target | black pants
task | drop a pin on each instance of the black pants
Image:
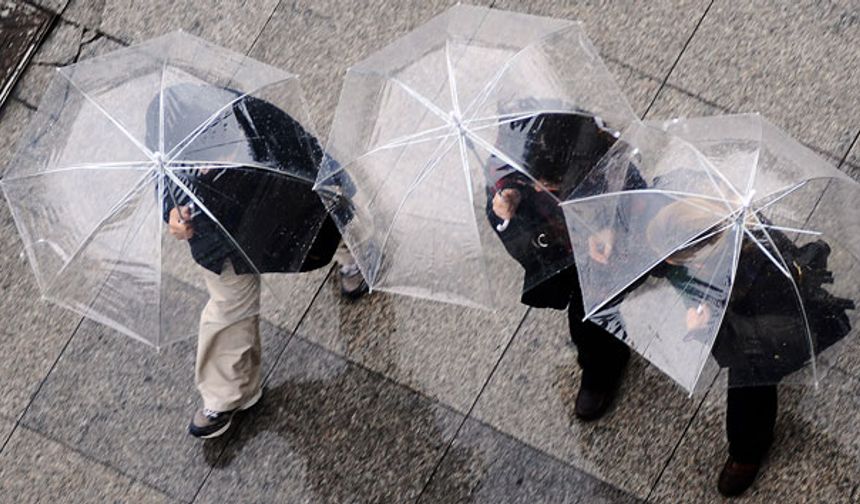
(750, 419)
(601, 355)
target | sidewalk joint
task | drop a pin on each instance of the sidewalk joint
(678, 59)
(472, 407)
(41, 384)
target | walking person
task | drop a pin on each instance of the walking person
(761, 336)
(253, 223)
(557, 150)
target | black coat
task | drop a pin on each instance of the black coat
(764, 336)
(275, 221)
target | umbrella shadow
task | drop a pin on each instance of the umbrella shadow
(358, 435)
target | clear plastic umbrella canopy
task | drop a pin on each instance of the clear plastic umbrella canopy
(427, 128)
(721, 242)
(122, 139)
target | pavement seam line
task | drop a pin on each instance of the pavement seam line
(680, 441)
(263, 29)
(678, 59)
(90, 458)
(468, 415)
(41, 384)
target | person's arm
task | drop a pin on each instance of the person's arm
(177, 211)
(504, 202)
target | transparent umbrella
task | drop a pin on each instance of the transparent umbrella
(121, 140)
(427, 129)
(740, 251)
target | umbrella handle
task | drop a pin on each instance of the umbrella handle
(504, 225)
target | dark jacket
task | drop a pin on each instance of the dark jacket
(267, 216)
(764, 334)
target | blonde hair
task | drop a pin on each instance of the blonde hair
(687, 218)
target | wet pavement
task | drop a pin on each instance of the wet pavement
(390, 399)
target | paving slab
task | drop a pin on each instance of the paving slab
(60, 48)
(815, 457)
(531, 398)
(33, 332)
(329, 431)
(130, 406)
(852, 162)
(795, 62)
(635, 38)
(504, 470)
(14, 117)
(7, 425)
(234, 24)
(36, 469)
(442, 350)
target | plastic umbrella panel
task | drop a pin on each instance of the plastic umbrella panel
(427, 127)
(122, 140)
(730, 252)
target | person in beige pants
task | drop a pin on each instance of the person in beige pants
(228, 370)
(239, 222)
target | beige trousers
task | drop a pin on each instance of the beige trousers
(228, 347)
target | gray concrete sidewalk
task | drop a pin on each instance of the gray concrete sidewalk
(360, 407)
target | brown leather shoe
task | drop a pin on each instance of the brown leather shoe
(736, 477)
(592, 404)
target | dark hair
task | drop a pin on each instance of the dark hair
(562, 147)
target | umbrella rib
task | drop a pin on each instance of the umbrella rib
(465, 165)
(193, 134)
(787, 192)
(501, 119)
(452, 82)
(668, 310)
(418, 140)
(751, 180)
(398, 142)
(217, 165)
(710, 167)
(792, 230)
(666, 192)
(110, 118)
(141, 182)
(423, 101)
(808, 330)
(506, 159)
(176, 180)
(736, 255)
(736, 252)
(159, 241)
(411, 138)
(687, 243)
(144, 165)
(782, 269)
(161, 107)
(422, 175)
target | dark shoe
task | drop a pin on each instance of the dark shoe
(736, 477)
(352, 284)
(592, 404)
(208, 424)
